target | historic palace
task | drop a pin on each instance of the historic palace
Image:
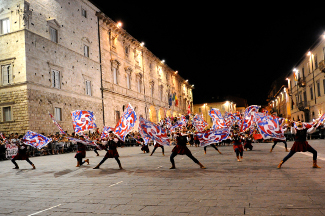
(57, 56)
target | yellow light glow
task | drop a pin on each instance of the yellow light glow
(119, 24)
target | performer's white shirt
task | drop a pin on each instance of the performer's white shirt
(309, 131)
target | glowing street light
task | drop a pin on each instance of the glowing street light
(119, 24)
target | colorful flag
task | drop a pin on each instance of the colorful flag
(36, 140)
(217, 119)
(176, 100)
(126, 122)
(199, 123)
(212, 136)
(83, 120)
(144, 136)
(85, 142)
(105, 132)
(154, 131)
(269, 126)
(248, 119)
(57, 124)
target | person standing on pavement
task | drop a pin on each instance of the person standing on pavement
(275, 141)
(213, 146)
(300, 144)
(182, 149)
(112, 152)
(81, 153)
(22, 153)
(237, 144)
(156, 146)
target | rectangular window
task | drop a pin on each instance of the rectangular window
(324, 85)
(6, 74)
(88, 88)
(318, 88)
(54, 35)
(58, 114)
(86, 51)
(139, 86)
(117, 116)
(311, 93)
(316, 63)
(115, 75)
(84, 13)
(128, 81)
(4, 26)
(7, 114)
(55, 79)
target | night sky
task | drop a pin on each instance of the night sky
(229, 49)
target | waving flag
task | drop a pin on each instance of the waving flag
(218, 121)
(168, 123)
(105, 132)
(83, 120)
(248, 119)
(36, 140)
(212, 136)
(199, 123)
(85, 142)
(154, 131)
(144, 136)
(57, 124)
(178, 124)
(229, 119)
(269, 126)
(320, 120)
(126, 122)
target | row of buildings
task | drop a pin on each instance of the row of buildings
(57, 56)
(300, 94)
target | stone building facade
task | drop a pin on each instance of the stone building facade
(58, 56)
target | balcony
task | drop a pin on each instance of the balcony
(303, 106)
(302, 82)
(321, 66)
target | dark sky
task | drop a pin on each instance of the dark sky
(229, 49)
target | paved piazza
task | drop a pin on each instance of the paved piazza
(146, 186)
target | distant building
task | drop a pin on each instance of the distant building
(58, 56)
(204, 109)
(279, 99)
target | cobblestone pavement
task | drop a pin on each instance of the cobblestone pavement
(146, 186)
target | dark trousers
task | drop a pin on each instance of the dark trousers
(188, 155)
(105, 158)
(238, 152)
(275, 142)
(14, 162)
(291, 153)
(212, 145)
(79, 158)
(162, 148)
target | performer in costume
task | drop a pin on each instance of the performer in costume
(81, 153)
(144, 146)
(100, 145)
(182, 149)
(213, 146)
(196, 141)
(300, 144)
(248, 139)
(112, 151)
(275, 141)
(237, 144)
(156, 146)
(21, 155)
